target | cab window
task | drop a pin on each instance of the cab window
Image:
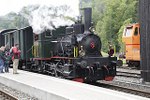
(48, 33)
(139, 30)
(136, 31)
(128, 32)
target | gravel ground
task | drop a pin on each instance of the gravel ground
(134, 83)
(18, 94)
(137, 72)
(129, 70)
(131, 83)
(128, 79)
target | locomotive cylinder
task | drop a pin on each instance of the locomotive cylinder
(69, 30)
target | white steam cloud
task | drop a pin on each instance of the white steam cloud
(43, 17)
(50, 18)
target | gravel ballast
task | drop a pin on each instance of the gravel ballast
(20, 95)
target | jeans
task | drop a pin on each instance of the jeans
(6, 67)
(1, 65)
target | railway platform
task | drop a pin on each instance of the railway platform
(50, 88)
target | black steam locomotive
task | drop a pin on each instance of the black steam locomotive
(72, 52)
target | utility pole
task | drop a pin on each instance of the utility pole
(144, 14)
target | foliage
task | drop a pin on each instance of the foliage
(17, 20)
(110, 17)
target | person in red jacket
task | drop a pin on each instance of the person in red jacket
(15, 58)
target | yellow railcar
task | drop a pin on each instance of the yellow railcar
(131, 39)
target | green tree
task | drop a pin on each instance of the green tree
(17, 20)
(110, 17)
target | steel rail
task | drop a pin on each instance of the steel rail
(128, 74)
(116, 86)
(7, 96)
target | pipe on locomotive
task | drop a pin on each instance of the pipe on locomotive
(87, 20)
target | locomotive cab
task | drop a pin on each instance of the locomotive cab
(131, 39)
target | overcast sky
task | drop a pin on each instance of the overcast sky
(7, 6)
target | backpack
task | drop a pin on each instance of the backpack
(11, 50)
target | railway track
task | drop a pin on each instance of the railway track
(127, 80)
(128, 74)
(6, 96)
(125, 88)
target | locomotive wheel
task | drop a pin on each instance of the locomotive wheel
(90, 81)
(40, 69)
(130, 64)
(135, 64)
(119, 63)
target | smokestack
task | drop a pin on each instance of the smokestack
(87, 19)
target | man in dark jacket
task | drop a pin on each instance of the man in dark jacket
(2, 59)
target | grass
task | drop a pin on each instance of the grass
(104, 54)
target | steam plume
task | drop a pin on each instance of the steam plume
(44, 17)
